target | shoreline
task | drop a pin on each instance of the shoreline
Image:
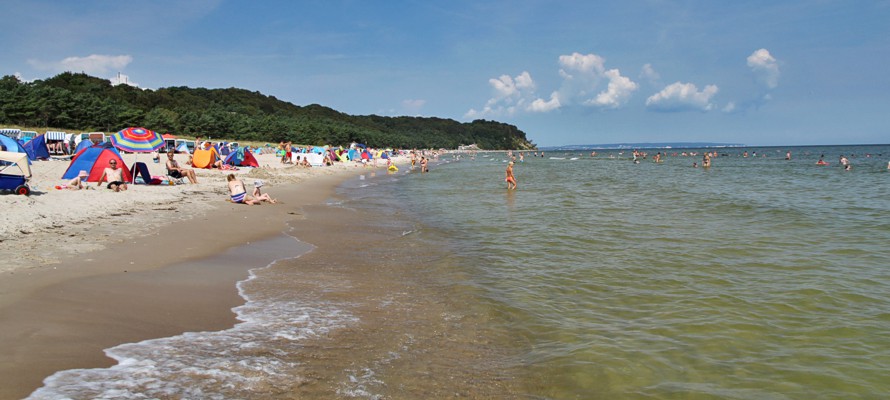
(62, 314)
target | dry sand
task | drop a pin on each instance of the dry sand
(86, 270)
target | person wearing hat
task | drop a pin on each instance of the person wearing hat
(76, 183)
(258, 195)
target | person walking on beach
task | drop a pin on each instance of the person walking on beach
(114, 176)
(511, 180)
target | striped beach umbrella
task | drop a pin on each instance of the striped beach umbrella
(137, 140)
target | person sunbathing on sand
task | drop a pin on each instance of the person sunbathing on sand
(258, 195)
(114, 176)
(76, 183)
(238, 192)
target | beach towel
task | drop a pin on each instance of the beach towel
(139, 169)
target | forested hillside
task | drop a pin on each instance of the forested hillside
(79, 102)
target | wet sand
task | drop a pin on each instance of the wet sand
(61, 316)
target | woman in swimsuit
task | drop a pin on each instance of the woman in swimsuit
(511, 180)
(237, 191)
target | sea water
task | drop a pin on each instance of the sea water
(756, 278)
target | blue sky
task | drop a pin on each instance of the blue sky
(585, 72)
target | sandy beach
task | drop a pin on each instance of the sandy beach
(85, 270)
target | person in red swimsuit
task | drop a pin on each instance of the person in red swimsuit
(511, 180)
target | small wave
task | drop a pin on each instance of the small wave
(234, 363)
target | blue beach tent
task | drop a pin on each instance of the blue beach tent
(82, 145)
(13, 145)
(241, 158)
(36, 148)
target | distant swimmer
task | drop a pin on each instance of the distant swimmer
(511, 180)
(821, 162)
(706, 160)
(788, 155)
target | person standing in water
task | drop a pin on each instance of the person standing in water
(511, 180)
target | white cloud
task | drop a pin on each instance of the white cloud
(511, 94)
(617, 92)
(682, 97)
(94, 64)
(540, 105)
(730, 107)
(524, 82)
(648, 73)
(582, 75)
(765, 66)
(588, 64)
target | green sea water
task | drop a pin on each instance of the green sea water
(758, 278)
(599, 278)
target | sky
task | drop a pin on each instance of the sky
(564, 72)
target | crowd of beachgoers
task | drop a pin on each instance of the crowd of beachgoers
(56, 211)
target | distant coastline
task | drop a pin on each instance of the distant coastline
(682, 145)
(665, 145)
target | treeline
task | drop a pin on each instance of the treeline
(79, 102)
